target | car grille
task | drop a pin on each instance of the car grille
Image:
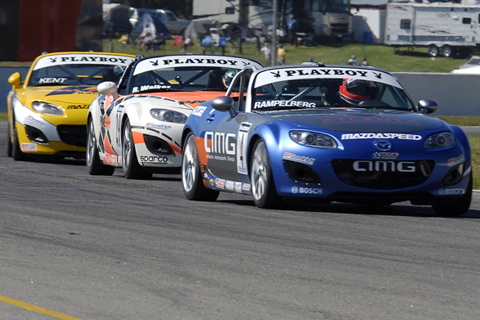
(74, 135)
(383, 174)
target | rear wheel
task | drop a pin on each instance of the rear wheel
(263, 187)
(94, 164)
(192, 181)
(447, 51)
(433, 51)
(131, 168)
(457, 208)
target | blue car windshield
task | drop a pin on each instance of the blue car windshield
(321, 93)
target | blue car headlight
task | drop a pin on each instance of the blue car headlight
(313, 139)
(440, 140)
(168, 115)
(47, 108)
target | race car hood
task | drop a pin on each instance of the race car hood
(191, 98)
(363, 120)
(78, 96)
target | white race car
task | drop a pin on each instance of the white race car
(138, 125)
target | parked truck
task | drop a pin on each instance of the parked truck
(445, 28)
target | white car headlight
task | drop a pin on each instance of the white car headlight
(47, 108)
(440, 140)
(313, 139)
(168, 115)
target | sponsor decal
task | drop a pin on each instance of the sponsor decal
(36, 121)
(220, 183)
(451, 191)
(72, 90)
(153, 159)
(196, 61)
(110, 159)
(52, 80)
(82, 59)
(229, 185)
(302, 159)
(283, 103)
(454, 161)
(318, 73)
(211, 181)
(78, 106)
(32, 147)
(198, 111)
(384, 166)
(383, 145)
(306, 190)
(246, 187)
(399, 136)
(150, 87)
(385, 155)
(242, 145)
(220, 143)
(238, 186)
(164, 127)
(369, 120)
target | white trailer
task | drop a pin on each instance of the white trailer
(445, 28)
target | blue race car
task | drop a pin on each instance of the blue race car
(327, 133)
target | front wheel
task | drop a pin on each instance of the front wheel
(94, 164)
(131, 168)
(192, 181)
(457, 208)
(9, 142)
(17, 153)
(263, 187)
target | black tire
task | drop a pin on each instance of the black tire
(448, 51)
(458, 208)
(131, 168)
(192, 181)
(9, 141)
(433, 51)
(263, 187)
(17, 153)
(94, 164)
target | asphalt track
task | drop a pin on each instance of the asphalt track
(75, 246)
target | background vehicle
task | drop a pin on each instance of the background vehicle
(47, 113)
(445, 28)
(138, 125)
(325, 133)
(168, 18)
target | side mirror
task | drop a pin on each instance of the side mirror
(108, 88)
(427, 106)
(15, 80)
(224, 103)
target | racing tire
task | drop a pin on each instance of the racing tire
(17, 153)
(131, 168)
(192, 181)
(9, 142)
(457, 208)
(263, 187)
(94, 164)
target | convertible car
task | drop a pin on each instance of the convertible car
(137, 125)
(323, 134)
(47, 114)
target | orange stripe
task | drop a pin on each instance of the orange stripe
(138, 137)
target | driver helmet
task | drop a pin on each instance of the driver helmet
(228, 77)
(355, 91)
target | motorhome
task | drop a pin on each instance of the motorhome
(445, 28)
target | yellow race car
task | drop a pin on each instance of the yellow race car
(47, 113)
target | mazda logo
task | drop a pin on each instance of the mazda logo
(383, 145)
